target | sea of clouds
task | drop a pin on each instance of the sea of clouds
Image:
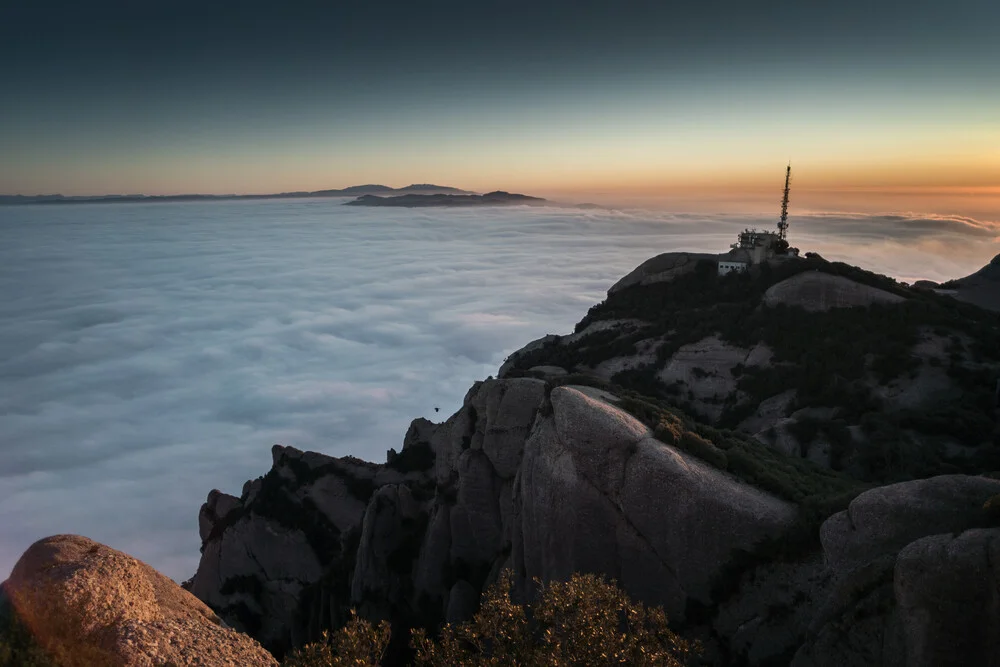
(152, 352)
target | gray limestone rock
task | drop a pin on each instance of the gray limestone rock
(885, 519)
(595, 493)
(817, 291)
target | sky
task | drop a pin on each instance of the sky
(152, 352)
(880, 106)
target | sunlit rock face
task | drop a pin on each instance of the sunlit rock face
(86, 604)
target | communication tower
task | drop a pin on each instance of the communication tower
(783, 223)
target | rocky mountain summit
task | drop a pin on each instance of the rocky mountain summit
(981, 288)
(798, 462)
(791, 461)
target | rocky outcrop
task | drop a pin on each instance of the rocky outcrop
(816, 291)
(948, 592)
(907, 380)
(912, 580)
(548, 481)
(708, 371)
(262, 551)
(545, 481)
(661, 268)
(597, 493)
(545, 477)
(982, 288)
(884, 520)
(86, 604)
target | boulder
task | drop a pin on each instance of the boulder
(87, 604)
(948, 595)
(661, 268)
(596, 493)
(885, 519)
(818, 291)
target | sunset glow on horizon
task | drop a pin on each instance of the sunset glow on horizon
(639, 103)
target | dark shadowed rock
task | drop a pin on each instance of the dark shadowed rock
(884, 520)
(661, 269)
(817, 291)
(948, 591)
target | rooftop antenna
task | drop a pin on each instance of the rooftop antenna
(783, 223)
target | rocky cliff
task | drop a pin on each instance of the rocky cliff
(795, 463)
(774, 549)
(548, 480)
(846, 368)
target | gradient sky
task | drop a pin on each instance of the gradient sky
(641, 100)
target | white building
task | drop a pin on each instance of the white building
(726, 266)
(753, 247)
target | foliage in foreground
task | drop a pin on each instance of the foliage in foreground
(357, 643)
(583, 621)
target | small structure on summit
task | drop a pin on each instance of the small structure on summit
(757, 246)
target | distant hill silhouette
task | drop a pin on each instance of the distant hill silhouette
(497, 198)
(352, 191)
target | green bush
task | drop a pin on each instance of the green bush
(703, 449)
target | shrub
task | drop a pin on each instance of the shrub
(583, 621)
(703, 449)
(359, 643)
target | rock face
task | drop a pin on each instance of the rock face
(545, 477)
(982, 288)
(884, 520)
(912, 578)
(548, 481)
(87, 604)
(816, 291)
(597, 493)
(948, 591)
(262, 551)
(661, 268)
(543, 481)
(845, 368)
(706, 370)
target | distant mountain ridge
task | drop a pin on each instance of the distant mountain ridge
(352, 191)
(412, 200)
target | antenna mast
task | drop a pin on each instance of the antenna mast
(783, 223)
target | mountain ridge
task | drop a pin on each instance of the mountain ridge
(496, 198)
(352, 191)
(760, 546)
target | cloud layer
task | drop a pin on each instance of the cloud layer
(150, 353)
